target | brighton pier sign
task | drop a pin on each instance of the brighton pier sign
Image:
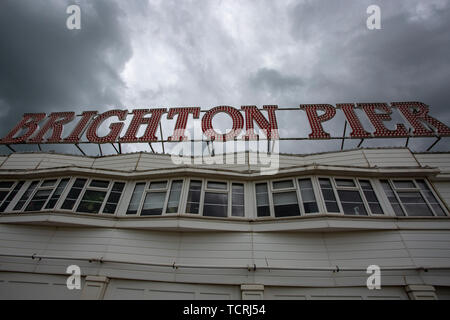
(40, 128)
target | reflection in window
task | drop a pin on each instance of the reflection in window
(308, 196)
(328, 195)
(92, 201)
(174, 197)
(285, 204)
(392, 198)
(193, 200)
(262, 200)
(429, 196)
(11, 196)
(26, 195)
(371, 197)
(57, 194)
(135, 202)
(352, 202)
(74, 192)
(113, 198)
(153, 203)
(215, 204)
(237, 198)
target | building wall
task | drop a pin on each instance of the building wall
(326, 261)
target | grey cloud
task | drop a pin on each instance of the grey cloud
(46, 67)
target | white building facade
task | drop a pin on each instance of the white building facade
(142, 227)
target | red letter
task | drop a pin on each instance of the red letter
(86, 117)
(377, 120)
(236, 116)
(416, 113)
(29, 121)
(180, 125)
(56, 121)
(315, 120)
(115, 128)
(357, 129)
(138, 120)
(270, 128)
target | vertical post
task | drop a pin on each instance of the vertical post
(162, 138)
(343, 135)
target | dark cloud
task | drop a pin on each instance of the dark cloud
(143, 53)
(46, 67)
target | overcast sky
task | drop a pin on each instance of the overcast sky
(142, 54)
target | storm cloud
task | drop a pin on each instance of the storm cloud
(141, 54)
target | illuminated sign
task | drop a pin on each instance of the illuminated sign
(35, 126)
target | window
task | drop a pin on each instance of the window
(262, 200)
(371, 197)
(7, 196)
(135, 201)
(285, 202)
(215, 203)
(237, 197)
(350, 197)
(74, 193)
(149, 199)
(291, 197)
(19, 205)
(193, 200)
(174, 197)
(47, 194)
(328, 195)
(93, 197)
(308, 196)
(412, 197)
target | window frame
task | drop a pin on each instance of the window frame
(415, 189)
(9, 191)
(204, 188)
(147, 190)
(83, 191)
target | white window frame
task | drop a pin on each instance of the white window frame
(52, 188)
(415, 189)
(83, 191)
(10, 190)
(148, 190)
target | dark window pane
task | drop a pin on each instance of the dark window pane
(38, 200)
(26, 195)
(153, 203)
(6, 184)
(392, 199)
(263, 211)
(345, 182)
(193, 201)
(308, 196)
(158, 185)
(283, 184)
(114, 196)
(216, 204)
(174, 196)
(310, 207)
(414, 203)
(3, 195)
(48, 183)
(328, 195)
(74, 194)
(352, 203)
(136, 198)
(55, 196)
(99, 183)
(262, 200)
(431, 198)
(404, 184)
(237, 200)
(91, 201)
(285, 204)
(217, 185)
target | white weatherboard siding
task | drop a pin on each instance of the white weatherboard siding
(191, 257)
